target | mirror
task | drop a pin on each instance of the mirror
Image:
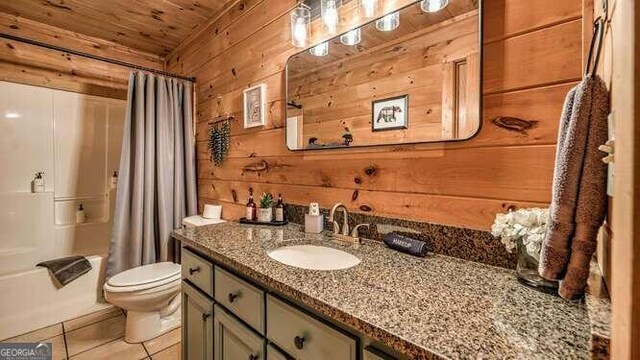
(410, 77)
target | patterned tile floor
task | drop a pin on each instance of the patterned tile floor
(100, 335)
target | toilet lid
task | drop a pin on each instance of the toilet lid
(146, 274)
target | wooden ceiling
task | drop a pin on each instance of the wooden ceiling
(154, 26)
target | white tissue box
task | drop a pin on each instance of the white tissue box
(313, 223)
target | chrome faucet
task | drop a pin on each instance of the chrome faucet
(343, 233)
(345, 224)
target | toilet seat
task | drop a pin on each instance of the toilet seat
(144, 277)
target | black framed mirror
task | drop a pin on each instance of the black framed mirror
(411, 76)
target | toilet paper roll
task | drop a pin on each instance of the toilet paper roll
(212, 211)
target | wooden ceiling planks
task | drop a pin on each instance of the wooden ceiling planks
(153, 26)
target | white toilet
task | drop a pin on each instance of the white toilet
(151, 296)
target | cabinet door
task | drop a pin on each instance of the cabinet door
(197, 325)
(234, 340)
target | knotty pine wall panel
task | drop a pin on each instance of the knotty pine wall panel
(531, 59)
(33, 65)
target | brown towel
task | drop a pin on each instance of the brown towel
(579, 188)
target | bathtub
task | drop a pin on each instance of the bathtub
(30, 300)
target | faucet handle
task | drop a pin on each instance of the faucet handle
(354, 231)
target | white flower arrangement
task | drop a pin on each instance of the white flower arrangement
(526, 225)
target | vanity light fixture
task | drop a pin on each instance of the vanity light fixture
(300, 25)
(321, 49)
(368, 8)
(389, 22)
(329, 13)
(432, 6)
(11, 115)
(351, 38)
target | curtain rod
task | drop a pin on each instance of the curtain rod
(95, 57)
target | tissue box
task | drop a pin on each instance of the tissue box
(313, 223)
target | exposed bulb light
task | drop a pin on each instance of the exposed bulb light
(11, 115)
(321, 49)
(300, 26)
(432, 6)
(368, 8)
(389, 22)
(329, 11)
(351, 38)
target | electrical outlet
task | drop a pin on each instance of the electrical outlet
(610, 166)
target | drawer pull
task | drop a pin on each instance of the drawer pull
(253, 357)
(194, 270)
(232, 297)
(299, 342)
(205, 316)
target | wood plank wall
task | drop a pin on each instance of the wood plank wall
(29, 64)
(532, 56)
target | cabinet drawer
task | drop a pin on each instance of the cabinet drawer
(233, 340)
(198, 271)
(304, 337)
(275, 354)
(241, 298)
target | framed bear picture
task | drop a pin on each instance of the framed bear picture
(390, 114)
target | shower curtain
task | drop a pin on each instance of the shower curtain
(156, 179)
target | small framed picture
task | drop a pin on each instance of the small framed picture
(390, 114)
(254, 106)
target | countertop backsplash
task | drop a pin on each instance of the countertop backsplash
(468, 244)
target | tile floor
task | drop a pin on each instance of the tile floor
(100, 335)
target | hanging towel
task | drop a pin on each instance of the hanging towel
(578, 203)
(67, 269)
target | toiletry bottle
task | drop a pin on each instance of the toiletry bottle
(280, 209)
(37, 186)
(251, 207)
(114, 180)
(81, 217)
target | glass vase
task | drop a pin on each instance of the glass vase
(527, 272)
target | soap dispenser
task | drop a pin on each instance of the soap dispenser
(81, 217)
(37, 185)
(114, 180)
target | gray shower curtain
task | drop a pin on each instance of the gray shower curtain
(157, 176)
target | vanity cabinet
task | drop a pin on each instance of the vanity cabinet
(233, 340)
(305, 337)
(275, 354)
(197, 324)
(241, 298)
(370, 353)
(198, 271)
(226, 317)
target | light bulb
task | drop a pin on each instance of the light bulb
(389, 22)
(300, 32)
(353, 37)
(321, 49)
(300, 26)
(431, 6)
(368, 8)
(330, 16)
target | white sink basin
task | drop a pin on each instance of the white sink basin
(314, 257)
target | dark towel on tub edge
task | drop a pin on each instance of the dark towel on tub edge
(67, 269)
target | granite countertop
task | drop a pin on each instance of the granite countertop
(433, 307)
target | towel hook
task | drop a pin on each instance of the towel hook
(595, 48)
